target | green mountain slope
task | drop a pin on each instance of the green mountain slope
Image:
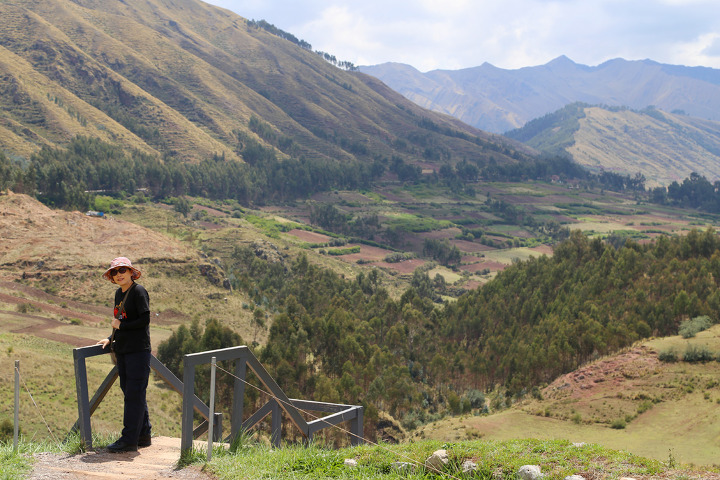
(664, 147)
(183, 79)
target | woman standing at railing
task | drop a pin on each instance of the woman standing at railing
(130, 343)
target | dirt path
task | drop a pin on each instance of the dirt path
(46, 298)
(151, 463)
(58, 310)
(43, 328)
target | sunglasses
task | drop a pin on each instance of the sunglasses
(120, 270)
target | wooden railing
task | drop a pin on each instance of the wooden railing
(243, 358)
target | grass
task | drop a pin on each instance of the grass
(503, 459)
(270, 226)
(16, 465)
(493, 460)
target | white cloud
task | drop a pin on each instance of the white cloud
(453, 34)
(705, 51)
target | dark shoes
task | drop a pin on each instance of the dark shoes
(144, 441)
(122, 446)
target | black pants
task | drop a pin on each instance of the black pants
(134, 371)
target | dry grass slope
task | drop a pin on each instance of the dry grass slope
(664, 147)
(184, 77)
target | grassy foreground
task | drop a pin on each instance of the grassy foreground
(17, 465)
(494, 460)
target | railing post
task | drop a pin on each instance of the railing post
(16, 427)
(211, 415)
(276, 425)
(238, 397)
(356, 428)
(187, 409)
(81, 388)
(217, 436)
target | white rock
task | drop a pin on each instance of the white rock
(530, 472)
(469, 466)
(402, 466)
(579, 444)
(437, 460)
(350, 462)
(575, 477)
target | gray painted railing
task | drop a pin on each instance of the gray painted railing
(243, 358)
(87, 407)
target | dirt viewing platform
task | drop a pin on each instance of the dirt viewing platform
(157, 461)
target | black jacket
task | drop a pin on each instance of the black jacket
(134, 332)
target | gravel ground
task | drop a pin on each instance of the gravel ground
(152, 463)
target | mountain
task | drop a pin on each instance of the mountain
(664, 147)
(186, 80)
(498, 100)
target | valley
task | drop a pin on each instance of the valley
(50, 304)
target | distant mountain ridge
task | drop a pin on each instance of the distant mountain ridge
(498, 100)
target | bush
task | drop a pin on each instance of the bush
(669, 356)
(690, 328)
(344, 251)
(7, 431)
(27, 308)
(476, 398)
(695, 354)
(399, 257)
(618, 424)
(454, 403)
(644, 406)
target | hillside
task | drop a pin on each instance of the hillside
(630, 401)
(498, 100)
(664, 147)
(185, 80)
(365, 335)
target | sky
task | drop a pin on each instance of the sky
(455, 34)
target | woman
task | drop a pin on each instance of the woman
(130, 342)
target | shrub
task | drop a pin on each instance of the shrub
(454, 403)
(476, 398)
(690, 328)
(103, 203)
(7, 430)
(695, 354)
(399, 257)
(669, 356)
(344, 251)
(644, 406)
(27, 308)
(618, 424)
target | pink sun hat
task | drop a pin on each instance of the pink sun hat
(121, 262)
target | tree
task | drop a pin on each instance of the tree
(182, 206)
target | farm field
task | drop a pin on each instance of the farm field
(499, 224)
